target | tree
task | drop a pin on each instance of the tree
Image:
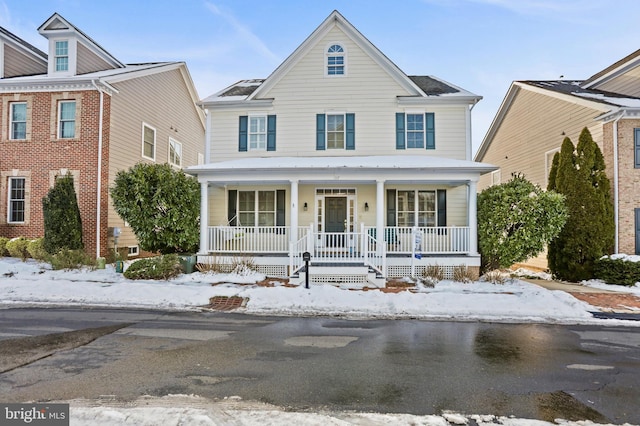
(62, 222)
(161, 205)
(579, 174)
(516, 220)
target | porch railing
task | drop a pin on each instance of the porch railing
(339, 246)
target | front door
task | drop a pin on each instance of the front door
(335, 220)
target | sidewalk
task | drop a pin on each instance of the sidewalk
(603, 300)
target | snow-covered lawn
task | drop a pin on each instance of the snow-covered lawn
(31, 283)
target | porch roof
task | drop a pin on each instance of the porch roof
(353, 168)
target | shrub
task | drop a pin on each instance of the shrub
(617, 271)
(17, 247)
(36, 249)
(3, 246)
(243, 266)
(71, 259)
(463, 274)
(62, 223)
(495, 277)
(155, 268)
(432, 275)
(210, 267)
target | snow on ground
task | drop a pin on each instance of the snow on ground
(32, 283)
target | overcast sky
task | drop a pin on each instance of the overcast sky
(479, 45)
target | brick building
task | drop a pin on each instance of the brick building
(77, 109)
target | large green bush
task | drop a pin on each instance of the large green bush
(3, 246)
(17, 247)
(516, 220)
(162, 206)
(155, 268)
(617, 271)
(62, 223)
(578, 173)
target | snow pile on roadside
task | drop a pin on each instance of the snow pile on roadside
(31, 283)
(193, 410)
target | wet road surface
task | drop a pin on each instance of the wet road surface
(419, 367)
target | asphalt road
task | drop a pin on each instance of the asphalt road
(419, 367)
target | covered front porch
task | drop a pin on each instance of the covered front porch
(386, 216)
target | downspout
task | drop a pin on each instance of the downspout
(615, 180)
(99, 183)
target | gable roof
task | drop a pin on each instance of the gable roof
(57, 25)
(418, 87)
(620, 67)
(22, 45)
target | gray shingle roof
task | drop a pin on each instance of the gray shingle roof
(431, 86)
(574, 88)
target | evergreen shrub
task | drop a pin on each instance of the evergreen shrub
(3, 246)
(155, 268)
(36, 249)
(617, 271)
(17, 247)
(71, 259)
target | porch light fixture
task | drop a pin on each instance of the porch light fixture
(366, 207)
(305, 206)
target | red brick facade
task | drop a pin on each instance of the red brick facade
(43, 155)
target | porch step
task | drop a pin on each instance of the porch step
(351, 275)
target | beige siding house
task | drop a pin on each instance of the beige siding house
(341, 155)
(536, 116)
(78, 109)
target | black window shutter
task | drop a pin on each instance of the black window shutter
(400, 143)
(242, 134)
(232, 218)
(280, 207)
(391, 207)
(271, 133)
(636, 140)
(442, 207)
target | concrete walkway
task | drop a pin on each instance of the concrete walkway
(564, 286)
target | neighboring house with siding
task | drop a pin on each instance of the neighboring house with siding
(340, 154)
(77, 109)
(536, 116)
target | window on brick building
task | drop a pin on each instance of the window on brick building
(148, 142)
(66, 119)
(17, 200)
(18, 120)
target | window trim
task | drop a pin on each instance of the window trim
(344, 129)
(175, 144)
(416, 207)
(263, 133)
(328, 54)
(256, 207)
(12, 121)
(407, 131)
(57, 56)
(155, 143)
(10, 200)
(75, 118)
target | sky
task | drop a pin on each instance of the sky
(479, 45)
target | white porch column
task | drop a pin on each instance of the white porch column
(473, 217)
(204, 217)
(380, 210)
(293, 236)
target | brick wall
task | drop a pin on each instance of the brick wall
(43, 155)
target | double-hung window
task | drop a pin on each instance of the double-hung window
(415, 130)
(258, 132)
(62, 55)
(175, 152)
(67, 119)
(17, 200)
(420, 205)
(256, 208)
(335, 60)
(148, 142)
(335, 131)
(18, 118)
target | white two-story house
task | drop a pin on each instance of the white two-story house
(341, 155)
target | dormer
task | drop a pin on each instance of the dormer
(72, 52)
(19, 58)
